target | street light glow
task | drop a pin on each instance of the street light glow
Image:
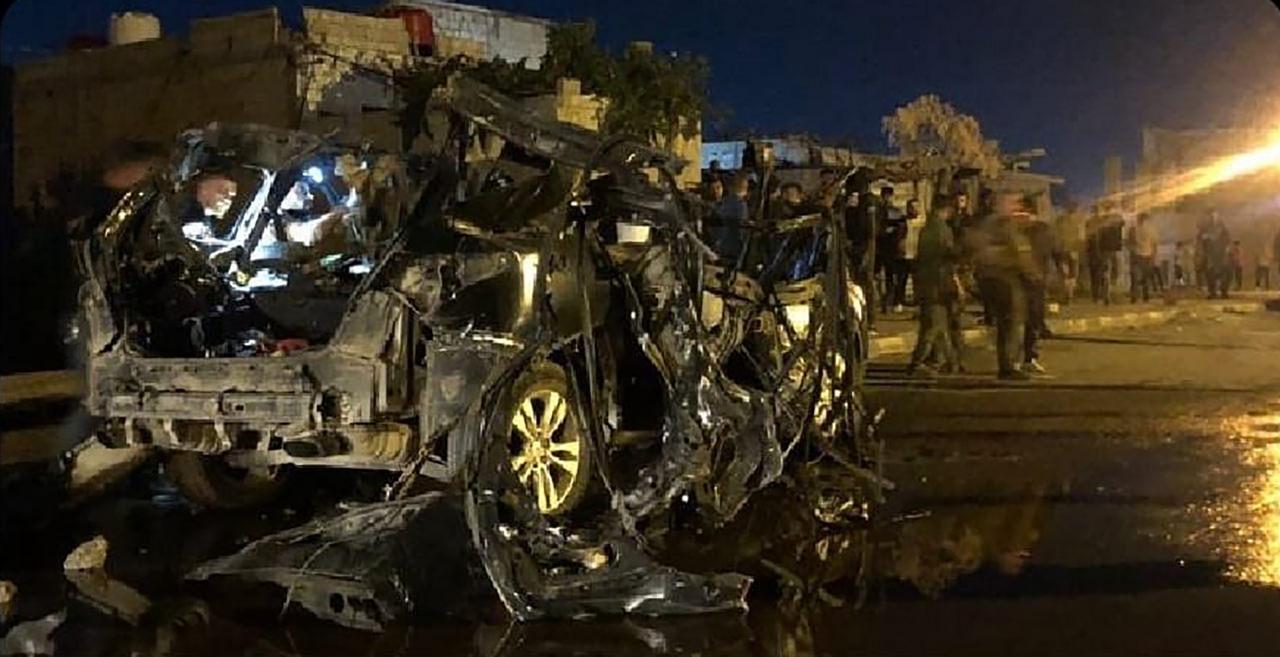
(1167, 189)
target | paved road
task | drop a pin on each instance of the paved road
(1129, 504)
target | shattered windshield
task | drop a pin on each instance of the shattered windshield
(299, 221)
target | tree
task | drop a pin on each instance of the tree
(939, 139)
(572, 52)
(655, 97)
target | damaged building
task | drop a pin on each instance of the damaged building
(69, 110)
(330, 77)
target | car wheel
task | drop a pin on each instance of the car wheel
(548, 447)
(210, 482)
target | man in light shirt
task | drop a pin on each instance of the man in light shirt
(1142, 254)
(911, 244)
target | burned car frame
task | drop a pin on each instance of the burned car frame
(527, 311)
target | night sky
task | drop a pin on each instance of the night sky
(1078, 77)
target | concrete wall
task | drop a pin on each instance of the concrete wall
(482, 33)
(71, 108)
(688, 149)
(728, 153)
(570, 105)
(788, 151)
(344, 64)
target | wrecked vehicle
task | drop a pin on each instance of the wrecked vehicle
(527, 310)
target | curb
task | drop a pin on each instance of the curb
(890, 345)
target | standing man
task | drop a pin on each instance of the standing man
(962, 220)
(1142, 255)
(1204, 276)
(730, 214)
(1235, 255)
(798, 253)
(891, 251)
(1262, 270)
(1112, 243)
(714, 190)
(1099, 261)
(911, 243)
(1215, 243)
(860, 230)
(935, 290)
(1069, 239)
(825, 194)
(1002, 261)
(1275, 246)
(1183, 260)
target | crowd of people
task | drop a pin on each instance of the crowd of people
(998, 252)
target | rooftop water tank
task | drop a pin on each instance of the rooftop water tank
(132, 27)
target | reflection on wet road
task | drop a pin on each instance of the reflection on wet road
(1253, 549)
(1055, 520)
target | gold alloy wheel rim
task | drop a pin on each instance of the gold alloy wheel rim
(549, 457)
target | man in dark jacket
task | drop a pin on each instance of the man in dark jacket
(1102, 242)
(729, 215)
(935, 289)
(860, 232)
(1215, 242)
(891, 243)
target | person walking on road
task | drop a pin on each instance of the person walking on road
(935, 285)
(1040, 238)
(1142, 255)
(1002, 261)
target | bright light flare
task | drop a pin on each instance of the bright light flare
(1165, 190)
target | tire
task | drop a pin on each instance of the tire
(541, 407)
(211, 483)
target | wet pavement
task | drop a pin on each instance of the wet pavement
(1129, 503)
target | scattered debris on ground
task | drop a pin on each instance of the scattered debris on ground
(90, 555)
(32, 637)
